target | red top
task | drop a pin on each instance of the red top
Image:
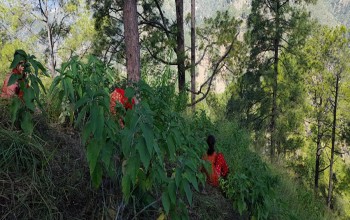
(219, 168)
(119, 95)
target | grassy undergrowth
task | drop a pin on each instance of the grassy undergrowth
(262, 190)
(293, 200)
(46, 176)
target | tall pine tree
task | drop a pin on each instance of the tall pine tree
(276, 29)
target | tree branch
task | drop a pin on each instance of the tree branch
(216, 69)
(321, 170)
(160, 59)
(146, 207)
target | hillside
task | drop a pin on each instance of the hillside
(328, 12)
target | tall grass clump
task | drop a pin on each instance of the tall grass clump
(293, 200)
(250, 182)
(24, 184)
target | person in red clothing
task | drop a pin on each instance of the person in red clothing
(219, 166)
(118, 95)
(8, 91)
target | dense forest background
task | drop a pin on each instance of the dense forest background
(270, 79)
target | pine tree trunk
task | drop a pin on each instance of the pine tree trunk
(52, 63)
(318, 151)
(330, 188)
(132, 46)
(193, 53)
(44, 12)
(275, 84)
(180, 48)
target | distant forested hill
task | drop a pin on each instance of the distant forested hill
(332, 12)
(329, 12)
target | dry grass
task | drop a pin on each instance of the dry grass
(46, 176)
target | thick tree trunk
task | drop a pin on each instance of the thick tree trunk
(180, 48)
(193, 53)
(330, 188)
(132, 45)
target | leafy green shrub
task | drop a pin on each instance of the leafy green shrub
(156, 152)
(84, 85)
(22, 110)
(86, 82)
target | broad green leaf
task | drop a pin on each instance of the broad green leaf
(142, 179)
(161, 177)
(149, 137)
(35, 66)
(166, 202)
(13, 79)
(28, 97)
(132, 167)
(143, 152)
(171, 146)
(94, 116)
(178, 176)
(74, 68)
(177, 137)
(129, 92)
(191, 165)
(42, 68)
(107, 153)
(27, 123)
(55, 83)
(188, 192)
(96, 176)
(241, 206)
(191, 177)
(100, 122)
(126, 142)
(18, 58)
(159, 153)
(70, 89)
(131, 119)
(126, 186)
(172, 192)
(15, 106)
(34, 84)
(81, 115)
(176, 217)
(38, 80)
(93, 153)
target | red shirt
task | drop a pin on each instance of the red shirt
(119, 95)
(219, 168)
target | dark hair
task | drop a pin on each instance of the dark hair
(211, 144)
